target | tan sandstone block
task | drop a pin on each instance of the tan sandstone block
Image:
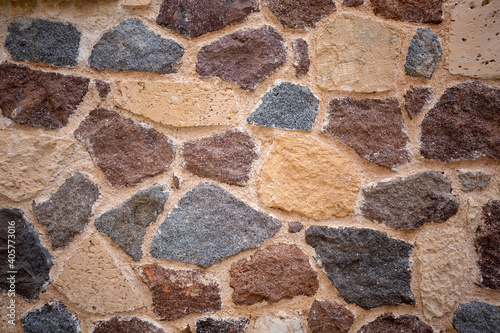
(308, 177)
(357, 54)
(136, 3)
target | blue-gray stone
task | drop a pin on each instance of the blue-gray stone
(423, 54)
(477, 317)
(53, 317)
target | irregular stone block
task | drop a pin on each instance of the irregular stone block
(224, 157)
(353, 3)
(306, 176)
(387, 323)
(269, 324)
(301, 60)
(423, 54)
(472, 179)
(53, 316)
(294, 227)
(131, 46)
(487, 244)
(329, 317)
(103, 88)
(215, 325)
(463, 124)
(178, 293)
(126, 151)
(373, 127)
(366, 266)
(416, 98)
(208, 225)
(477, 317)
(301, 14)
(246, 57)
(137, 3)
(425, 11)
(127, 325)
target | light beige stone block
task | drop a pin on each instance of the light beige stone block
(136, 3)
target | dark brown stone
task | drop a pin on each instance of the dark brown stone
(127, 325)
(224, 157)
(294, 227)
(39, 99)
(463, 124)
(187, 329)
(103, 88)
(246, 57)
(426, 11)
(272, 274)
(487, 245)
(353, 3)
(416, 98)
(373, 127)
(300, 14)
(176, 181)
(178, 293)
(329, 317)
(125, 150)
(301, 60)
(387, 323)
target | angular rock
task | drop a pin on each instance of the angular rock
(287, 106)
(195, 18)
(125, 150)
(329, 317)
(366, 266)
(42, 40)
(477, 317)
(294, 227)
(409, 203)
(131, 46)
(246, 57)
(178, 293)
(126, 224)
(301, 14)
(269, 324)
(306, 176)
(103, 88)
(209, 225)
(215, 325)
(224, 157)
(472, 179)
(353, 3)
(127, 325)
(53, 316)
(425, 11)
(423, 54)
(275, 273)
(187, 329)
(487, 244)
(67, 212)
(463, 124)
(416, 98)
(176, 182)
(39, 99)
(373, 127)
(387, 323)
(301, 60)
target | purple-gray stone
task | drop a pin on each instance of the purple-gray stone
(472, 179)
(216, 325)
(423, 54)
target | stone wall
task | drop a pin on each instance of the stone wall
(249, 166)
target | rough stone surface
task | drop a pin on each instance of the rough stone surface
(269, 324)
(301, 61)
(67, 212)
(131, 46)
(127, 325)
(208, 225)
(178, 293)
(176, 182)
(226, 157)
(126, 224)
(32, 262)
(409, 203)
(425, 11)
(373, 127)
(329, 317)
(367, 266)
(487, 244)
(306, 176)
(195, 18)
(246, 57)
(477, 317)
(125, 150)
(353, 3)
(294, 227)
(387, 323)
(472, 179)
(137, 3)
(416, 98)
(463, 124)
(357, 54)
(423, 54)
(52, 317)
(275, 273)
(39, 99)
(287, 105)
(215, 325)
(103, 88)
(187, 329)
(301, 14)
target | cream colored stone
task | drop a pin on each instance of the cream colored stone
(136, 3)
(474, 39)
(28, 162)
(180, 104)
(276, 325)
(308, 177)
(357, 54)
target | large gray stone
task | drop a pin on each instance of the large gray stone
(477, 317)
(53, 317)
(423, 54)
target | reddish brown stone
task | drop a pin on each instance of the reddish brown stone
(39, 99)
(416, 98)
(103, 88)
(329, 317)
(387, 323)
(272, 274)
(187, 329)
(353, 3)
(125, 150)
(487, 245)
(300, 14)
(426, 11)
(127, 325)
(294, 227)
(301, 60)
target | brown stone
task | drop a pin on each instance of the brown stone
(294, 227)
(39, 99)
(127, 325)
(103, 88)
(23, 6)
(176, 181)
(425, 11)
(353, 3)
(301, 60)
(416, 98)
(126, 151)
(272, 274)
(387, 323)
(487, 245)
(301, 14)
(187, 330)
(329, 317)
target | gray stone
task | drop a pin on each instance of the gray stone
(208, 225)
(53, 317)
(477, 317)
(367, 266)
(423, 54)
(216, 325)
(473, 179)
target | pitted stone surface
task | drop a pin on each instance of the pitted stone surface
(301, 61)
(423, 54)
(477, 317)
(52, 317)
(269, 324)
(472, 179)
(388, 323)
(126, 224)
(215, 325)
(329, 317)
(131, 46)
(487, 244)
(39, 99)
(208, 225)
(246, 57)
(125, 150)
(127, 325)
(301, 14)
(178, 293)
(416, 98)
(367, 266)
(103, 88)
(275, 273)
(373, 127)
(353, 3)
(425, 11)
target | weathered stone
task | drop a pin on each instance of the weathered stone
(373, 127)
(178, 293)
(215, 325)
(125, 150)
(28, 162)
(477, 317)
(409, 203)
(463, 124)
(187, 329)
(357, 54)
(180, 104)
(39, 99)
(208, 225)
(287, 105)
(387, 323)
(416, 98)
(137, 3)
(353, 3)
(67, 212)
(131, 46)
(176, 182)
(425, 11)
(301, 60)
(367, 266)
(294, 227)
(224, 157)
(127, 325)
(246, 57)
(301, 14)
(306, 176)
(329, 317)
(195, 18)
(276, 325)
(103, 88)
(42, 40)
(472, 179)
(423, 54)
(53, 316)
(487, 244)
